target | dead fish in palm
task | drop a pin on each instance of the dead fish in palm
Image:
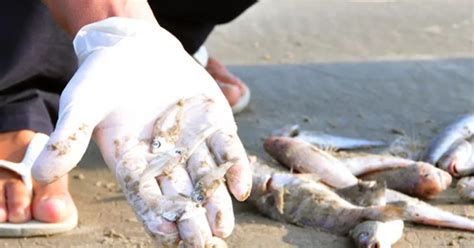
(165, 207)
(459, 159)
(377, 234)
(298, 200)
(462, 128)
(465, 188)
(303, 157)
(327, 141)
(419, 179)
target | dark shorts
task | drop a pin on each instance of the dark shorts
(37, 59)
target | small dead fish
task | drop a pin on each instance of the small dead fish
(364, 193)
(459, 159)
(206, 186)
(460, 129)
(327, 141)
(423, 213)
(419, 179)
(167, 212)
(289, 198)
(377, 234)
(364, 163)
(304, 157)
(465, 188)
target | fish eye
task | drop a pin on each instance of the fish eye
(159, 144)
(156, 143)
(363, 235)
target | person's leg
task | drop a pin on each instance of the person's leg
(36, 62)
(192, 22)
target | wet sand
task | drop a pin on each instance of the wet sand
(355, 68)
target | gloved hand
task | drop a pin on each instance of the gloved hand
(154, 112)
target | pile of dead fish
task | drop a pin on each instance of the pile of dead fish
(364, 195)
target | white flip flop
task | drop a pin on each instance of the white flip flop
(243, 101)
(202, 56)
(33, 228)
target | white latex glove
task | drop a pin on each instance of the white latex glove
(148, 105)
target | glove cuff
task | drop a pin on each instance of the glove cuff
(108, 32)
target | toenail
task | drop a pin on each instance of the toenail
(3, 215)
(19, 215)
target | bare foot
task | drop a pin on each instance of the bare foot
(51, 203)
(232, 87)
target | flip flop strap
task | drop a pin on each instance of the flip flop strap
(201, 56)
(24, 167)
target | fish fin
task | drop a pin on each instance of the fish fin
(279, 196)
(391, 211)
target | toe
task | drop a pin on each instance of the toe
(52, 202)
(220, 73)
(231, 93)
(3, 204)
(50, 209)
(18, 201)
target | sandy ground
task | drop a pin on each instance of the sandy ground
(358, 68)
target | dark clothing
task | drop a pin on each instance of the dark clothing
(37, 59)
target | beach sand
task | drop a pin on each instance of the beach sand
(358, 68)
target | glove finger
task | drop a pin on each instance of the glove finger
(192, 225)
(144, 194)
(211, 191)
(66, 146)
(227, 148)
(194, 230)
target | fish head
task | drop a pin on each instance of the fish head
(367, 235)
(457, 160)
(432, 180)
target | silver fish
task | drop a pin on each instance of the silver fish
(462, 128)
(304, 157)
(327, 141)
(206, 186)
(459, 159)
(377, 234)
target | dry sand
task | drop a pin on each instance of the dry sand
(359, 68)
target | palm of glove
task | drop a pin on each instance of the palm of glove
(154, 112)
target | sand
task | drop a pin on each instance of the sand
(358, 68)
